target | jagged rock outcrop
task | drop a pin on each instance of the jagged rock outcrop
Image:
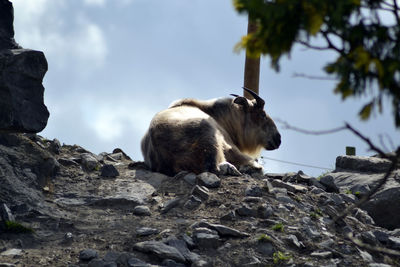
(22, 107)
(81, 217)
(359, 175)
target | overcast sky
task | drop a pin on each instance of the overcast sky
(114, 63)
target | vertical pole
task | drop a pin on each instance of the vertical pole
(251, 66)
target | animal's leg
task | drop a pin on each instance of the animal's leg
(243, 162)
(226, 168)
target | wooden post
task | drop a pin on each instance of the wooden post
(251, 67)
(350, 151)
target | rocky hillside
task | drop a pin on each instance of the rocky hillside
(71, 207)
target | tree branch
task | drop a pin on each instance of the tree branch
(323, 132)
(311, 77)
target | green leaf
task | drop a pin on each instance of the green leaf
(366, 111)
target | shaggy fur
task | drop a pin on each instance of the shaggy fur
(198, 136)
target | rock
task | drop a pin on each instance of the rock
(89, 162)
(209, 180)
(363, 217)
(384, 208)
(362, 164)
(223, 230)
(21, 91)
(293, 241)
(87, 254)
(322, 254)
(265, 248)
(55, 146)
(108, 170)
(101, 263)
(246, 210)
(160, 249)
(394, 242)
(264, 211)
(190, 178)
(181, 246)
(170, 204)
(230, 216)
(201, 191)
(288, 186)
(253, 191)
(359, 190)
(329, 182)
(6, 214)
(6, 25)
(172, 263)
(206, 241)
(141, 210)
(145, 231)
(12, 252)
(192, 203)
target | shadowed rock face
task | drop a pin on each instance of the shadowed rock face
(22, 107)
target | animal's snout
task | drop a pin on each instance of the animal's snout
(277, 140)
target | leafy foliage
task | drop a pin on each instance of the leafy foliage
(365, 34)
(16, 227)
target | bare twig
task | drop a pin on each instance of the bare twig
(312, 77)
(300, 130)
(361, 244)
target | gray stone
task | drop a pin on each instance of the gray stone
(190, 178)
(384, 208)
(369, 238)
(146, 231)
(109, 170)
(311, 232)
(192, 203)
(135, 262)
(89, 162)
(88, 254)
(360, 190)
(381, 236)
(6, 24)
(181, 246)
(206, 241)
(201, 191)
(264, 211)
(160, 249)
(171, 263)
(290, 187)
(316, 183)
(6, 214)
(265, 248)
(230, 216)
(188, 240)
(293, 241)
(329, 182)
(362, 164)
(170, 204)
(349, 198)
(394, 242)
(378, 265)
(246, 210)
(11, 252)
(141, 210)
(21, 91)
(317, 190)
(363, 216)
(321, 254)
(253, 191)
(101, 263)
(209, 180)
(223, 230)
(284, 199)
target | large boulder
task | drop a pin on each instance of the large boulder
(22, 107)
(361, 174)
(6, 26)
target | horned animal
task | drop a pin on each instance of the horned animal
(198, 136)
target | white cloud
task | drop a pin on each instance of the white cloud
(95, 2)
(66, 40)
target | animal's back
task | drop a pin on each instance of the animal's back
(182, 138)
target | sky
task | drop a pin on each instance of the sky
(113, 64)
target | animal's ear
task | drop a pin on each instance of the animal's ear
(240, 100)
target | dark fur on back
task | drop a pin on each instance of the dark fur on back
(198, 136)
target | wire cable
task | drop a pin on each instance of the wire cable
(295, 163)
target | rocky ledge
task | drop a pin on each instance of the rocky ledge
(65, 206)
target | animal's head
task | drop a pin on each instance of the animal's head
(260, 129)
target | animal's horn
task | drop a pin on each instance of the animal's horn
(234, 95)
(260, 102)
